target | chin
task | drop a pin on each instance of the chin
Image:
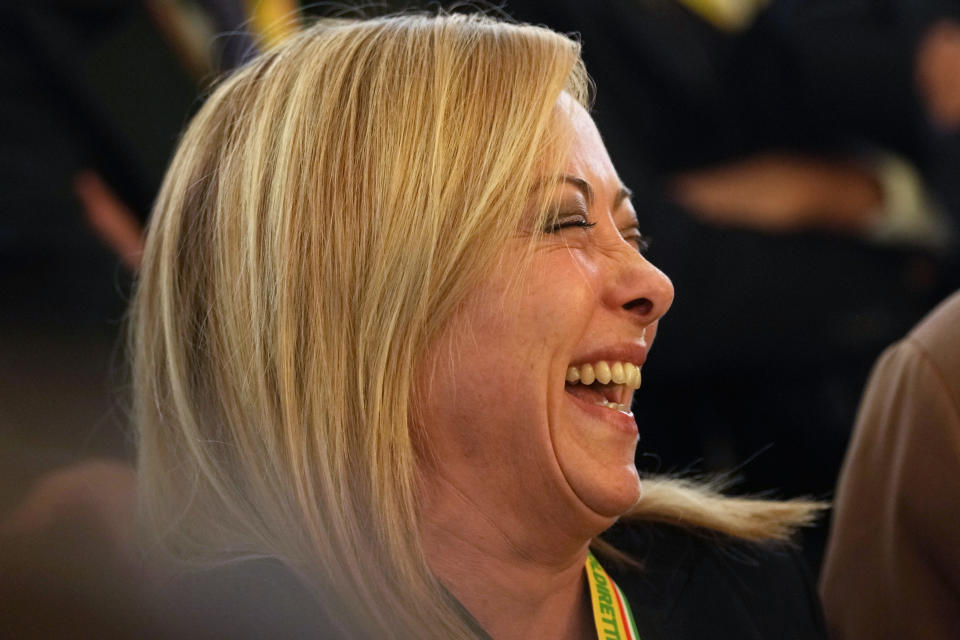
(613, 499)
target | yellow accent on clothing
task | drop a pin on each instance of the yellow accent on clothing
(273, 20)
(727, 15)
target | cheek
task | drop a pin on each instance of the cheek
(560, 298)
(491, 376)
(544, 316)
(469, 394)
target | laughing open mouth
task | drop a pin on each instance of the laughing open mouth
(608, 384)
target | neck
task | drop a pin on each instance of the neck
(516, 583)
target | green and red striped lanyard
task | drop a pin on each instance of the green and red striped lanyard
(611, 611)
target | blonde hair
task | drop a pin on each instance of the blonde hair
(327, 210)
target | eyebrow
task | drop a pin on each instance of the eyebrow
(623, 193)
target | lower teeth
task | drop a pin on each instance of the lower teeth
(614, 405)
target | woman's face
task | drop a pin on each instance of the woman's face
(506, 427)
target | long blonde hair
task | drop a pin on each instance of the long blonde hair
(327, 210)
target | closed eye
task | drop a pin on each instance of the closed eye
(571, 221)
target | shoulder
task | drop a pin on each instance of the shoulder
(937, 340)
(690, 585)
(912, 401)
(252, 598)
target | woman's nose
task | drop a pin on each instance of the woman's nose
(641, 290)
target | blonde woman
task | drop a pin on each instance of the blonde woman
(391, 315)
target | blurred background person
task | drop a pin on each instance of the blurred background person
(892, 568)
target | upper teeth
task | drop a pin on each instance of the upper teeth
(605, 372)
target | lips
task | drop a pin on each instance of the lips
(604, 384)
(603, 379)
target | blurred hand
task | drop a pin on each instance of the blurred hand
(110, 218)
(937, 73)
(781, 192)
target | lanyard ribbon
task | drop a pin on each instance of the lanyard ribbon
(611, 611)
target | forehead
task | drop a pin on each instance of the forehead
(587, 157)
